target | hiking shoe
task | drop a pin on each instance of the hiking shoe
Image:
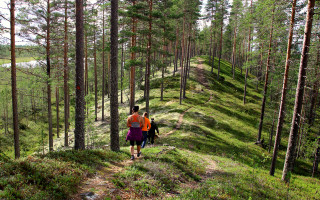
(132, 157)
(138, 155)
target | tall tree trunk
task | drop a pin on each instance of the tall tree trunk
(95, 77)
(164, 63)
(289, 161)
(80, 102)
(221, 37)
(248, 56)
(86, 91)
(114, 105)
(103, 65)
(266, 80)
(284, 92)
(57, 110)
(176, 54)
(211, 34)
(65, 76)
(234, 50)
(14, 82)
(48, 79)
(187, 66)
(133, 57)
(181, 59)
(121, 82)
(147, 86)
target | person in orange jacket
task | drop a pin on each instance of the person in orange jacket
(145, 129)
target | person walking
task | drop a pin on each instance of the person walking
(135, 123)
(145, 129)
(152, 131)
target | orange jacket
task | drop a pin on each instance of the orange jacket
(147, 124)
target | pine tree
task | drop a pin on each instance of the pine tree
(114, 128)
(289, 161)
(80, 102)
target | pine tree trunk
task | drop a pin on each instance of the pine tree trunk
(176, 54)
(147, 85)
(103, 65)
(266, 80)
(122, 63)
(289, 161)
(14, 82)
(187, 67)
(248, 56)
(65, 77)
(114, 105)
(95, 77)
(48, 80)
(86, 71)
(181, 59)
(57, 107)
(133, 57)
(221, 37)
(79, 135)
(234, 50)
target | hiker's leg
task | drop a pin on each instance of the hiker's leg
(132, 147)
(145, 137)
(152, 138)
(138, 148)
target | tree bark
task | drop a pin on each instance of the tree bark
(80, 102)
(266, 80)
(122, 65)
(103, 65)
(14, 82)
(57, 110)
(48, 78)
(95, 77)
(147, 86)
(289, 161)
(181, 59)
(65, 77)
(114, 105)
(133, 57)
(221, 37)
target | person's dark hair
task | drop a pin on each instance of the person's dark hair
(135, 108)
(145, 114)
(152, 119)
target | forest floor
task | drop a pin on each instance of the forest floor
(205, 150)
(101, 186)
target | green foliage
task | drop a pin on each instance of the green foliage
(52, 176)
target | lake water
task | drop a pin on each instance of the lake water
(30, 64)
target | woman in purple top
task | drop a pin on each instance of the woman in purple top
(135, 123)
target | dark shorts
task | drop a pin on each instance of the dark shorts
(137, 142)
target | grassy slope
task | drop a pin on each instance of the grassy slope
(222, 130)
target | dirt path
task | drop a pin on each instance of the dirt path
(101, 185)
(203, 81)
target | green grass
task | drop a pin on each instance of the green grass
(54, 176)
